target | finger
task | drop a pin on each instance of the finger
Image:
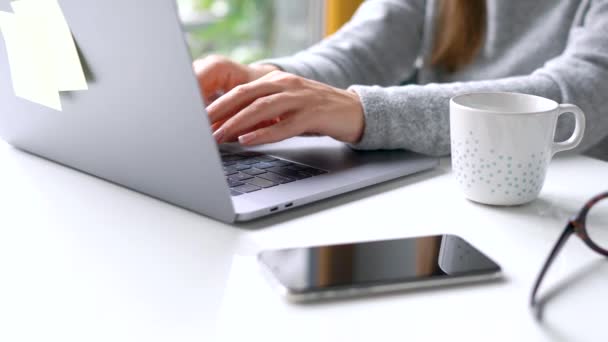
(261, 125)
(208, 80)
(216, 126)
(260, 110)
(285, 129)
(238, 98)
(217, 75)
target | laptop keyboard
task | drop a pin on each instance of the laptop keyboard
(251, 171)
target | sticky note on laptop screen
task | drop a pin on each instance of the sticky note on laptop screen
(42, 54)
(67, 64)
(32, 78)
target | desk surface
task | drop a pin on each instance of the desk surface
(82, 259)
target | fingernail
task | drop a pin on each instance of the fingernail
(247, 138)
(219, 135)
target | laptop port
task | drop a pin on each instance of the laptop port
(274, 209)
(288, 205)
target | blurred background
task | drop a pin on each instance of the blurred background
(249, 30)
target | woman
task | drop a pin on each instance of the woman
(349, 86)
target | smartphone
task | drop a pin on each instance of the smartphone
(347, 270)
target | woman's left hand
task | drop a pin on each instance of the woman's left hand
(280, 106)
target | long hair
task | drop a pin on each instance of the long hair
(459, 33)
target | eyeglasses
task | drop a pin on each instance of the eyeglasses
(591, 225)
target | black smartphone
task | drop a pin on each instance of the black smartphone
(345, 270)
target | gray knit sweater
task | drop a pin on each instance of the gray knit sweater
(553, 48)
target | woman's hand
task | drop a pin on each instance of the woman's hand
(218, 75)
(280, 105)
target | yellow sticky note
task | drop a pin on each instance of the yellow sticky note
(32, 79)
(42, 54)
(62, 51)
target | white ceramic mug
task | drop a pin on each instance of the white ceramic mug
(502, 144)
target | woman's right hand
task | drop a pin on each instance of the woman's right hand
(218, 75)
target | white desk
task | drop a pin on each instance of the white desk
(81, 259)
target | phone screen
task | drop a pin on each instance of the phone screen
(376, 263)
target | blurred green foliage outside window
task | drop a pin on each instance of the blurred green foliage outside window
(248, 30)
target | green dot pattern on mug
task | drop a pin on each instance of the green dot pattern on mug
(497, 173)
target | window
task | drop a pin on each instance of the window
(249, 30)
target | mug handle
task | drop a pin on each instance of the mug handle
(579, 128)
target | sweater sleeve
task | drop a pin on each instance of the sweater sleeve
(357, 53)
(416, 117)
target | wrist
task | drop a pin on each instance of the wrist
(357, 118)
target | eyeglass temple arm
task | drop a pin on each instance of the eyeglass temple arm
(558, 246)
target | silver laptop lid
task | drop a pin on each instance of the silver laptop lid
(142, 122)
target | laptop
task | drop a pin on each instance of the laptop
(142, 124)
